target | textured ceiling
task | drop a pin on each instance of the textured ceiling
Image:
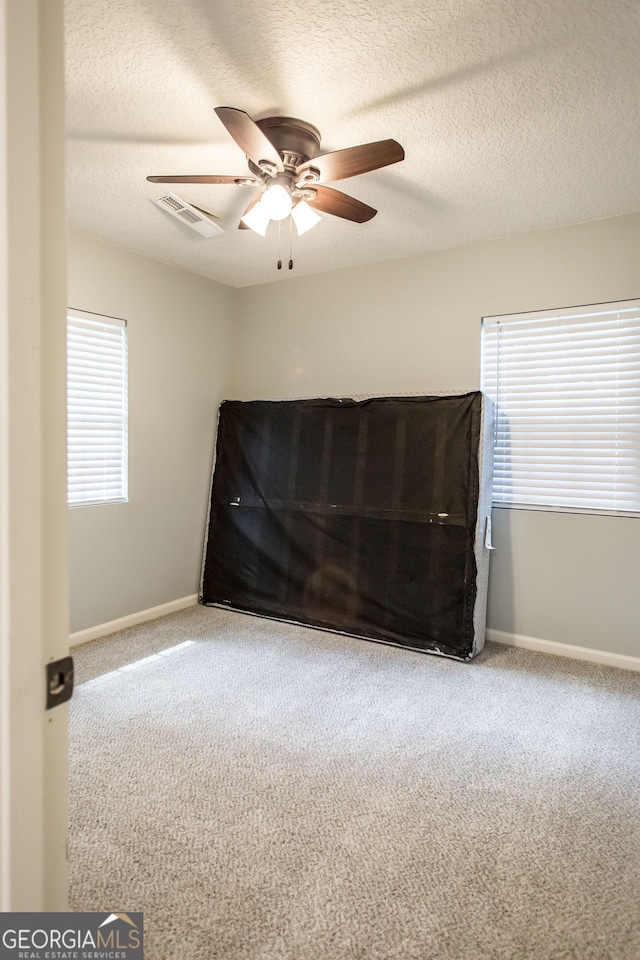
(513, 117)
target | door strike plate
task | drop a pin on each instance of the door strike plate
(59, 681)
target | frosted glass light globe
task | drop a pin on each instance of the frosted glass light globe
(304, 217)
(277, 202)
(257, 219)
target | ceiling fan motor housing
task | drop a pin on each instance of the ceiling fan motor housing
(295, 140)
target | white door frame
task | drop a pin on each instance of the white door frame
(33, 512)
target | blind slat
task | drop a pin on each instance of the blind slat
(96, 409)
(566, 389)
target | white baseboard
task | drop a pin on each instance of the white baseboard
(564, 650)
(620, 660)
(104, 629)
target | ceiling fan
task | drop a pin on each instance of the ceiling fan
(283, 156)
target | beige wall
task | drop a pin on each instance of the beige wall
(406, 325)
(414, 325)
(128, 557)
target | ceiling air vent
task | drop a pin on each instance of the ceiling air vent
(195, 218)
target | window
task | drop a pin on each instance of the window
(566, 385)
(96, 409)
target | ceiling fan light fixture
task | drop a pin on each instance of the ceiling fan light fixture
(276, 202)
(284, 157)
(304, 217)
(257, 219)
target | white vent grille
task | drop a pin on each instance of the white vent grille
(198, 220)
(169, 202)
(189, 216)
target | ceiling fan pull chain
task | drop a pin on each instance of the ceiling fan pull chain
(279, 246)
(290, 245)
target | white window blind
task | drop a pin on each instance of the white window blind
(96, 409)
(566, 386)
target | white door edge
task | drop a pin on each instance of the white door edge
(33, 553)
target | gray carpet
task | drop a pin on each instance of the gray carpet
(267, 792)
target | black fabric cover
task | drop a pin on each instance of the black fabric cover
(355, 516)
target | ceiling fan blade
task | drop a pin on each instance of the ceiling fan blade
(249, 137)
(354, 160)
(207, 213)
(340, 205)
(250, 181)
